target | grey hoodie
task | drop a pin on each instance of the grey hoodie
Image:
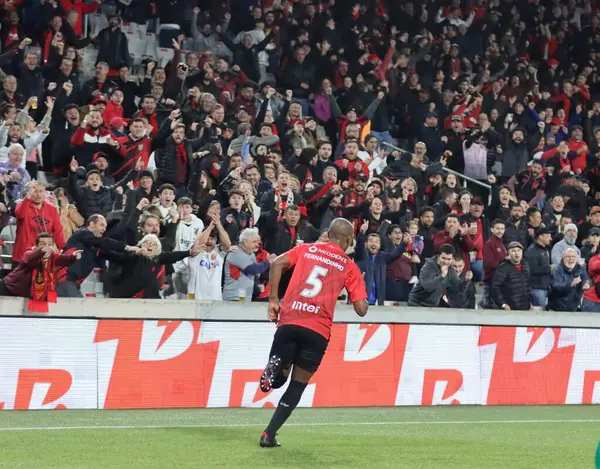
(431, 286)
(560, 247)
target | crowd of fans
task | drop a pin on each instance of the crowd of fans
(271, 120)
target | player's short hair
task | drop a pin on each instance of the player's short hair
(155, 239)
(446, 249)
(252, 166)
(16, 147)
(42, 236)
(184, 201)
(426, 209)
(447, 193)
(247, 234)
(166, 187)
(458, 256)
(291, 208)
(391, 228)
(95, 218)
(532, 211)
(322, 142)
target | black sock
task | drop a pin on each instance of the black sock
(287, 404)
(279, 380)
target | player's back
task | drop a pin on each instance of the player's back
(321, 271)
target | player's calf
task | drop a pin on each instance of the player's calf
(289, 401)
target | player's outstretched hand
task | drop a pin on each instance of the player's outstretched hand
(273, 312)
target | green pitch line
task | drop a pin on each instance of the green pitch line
(561, 437)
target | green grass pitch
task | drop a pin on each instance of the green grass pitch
(558, 437)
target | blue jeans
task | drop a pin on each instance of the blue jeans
(383, 137)
(541, 204)
(477, 269)
(305, 103)
(591, 306)
(539, 297)
(486, 297)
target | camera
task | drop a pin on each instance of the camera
(183, 67)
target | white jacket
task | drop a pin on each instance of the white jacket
(31, 142)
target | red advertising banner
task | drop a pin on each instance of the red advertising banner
(118, 364)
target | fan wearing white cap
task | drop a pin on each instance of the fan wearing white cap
(568, 242)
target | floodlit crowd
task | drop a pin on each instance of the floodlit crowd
(462, 139)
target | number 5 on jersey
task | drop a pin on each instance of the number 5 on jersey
(314, 279)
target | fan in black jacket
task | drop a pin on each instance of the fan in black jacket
(538, 259)
(88, 240)
(143, 273)
(511, 287)
(463, 295)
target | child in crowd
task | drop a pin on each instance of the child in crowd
(415, 248)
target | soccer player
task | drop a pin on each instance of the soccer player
(304, 318)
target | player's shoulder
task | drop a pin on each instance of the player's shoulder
(330, 251)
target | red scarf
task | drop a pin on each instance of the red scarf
(182, 163)
(151, 120)
(181, 154)
(43, 285)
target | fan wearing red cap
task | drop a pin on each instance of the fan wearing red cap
(99, 104)
(114, 107)
(117, 126)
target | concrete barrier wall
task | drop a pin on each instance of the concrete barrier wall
(252, 312)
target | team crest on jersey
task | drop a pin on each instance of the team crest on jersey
(140, 147)
(211, 264)
(312, 249)
(244, 223)
(196, 230)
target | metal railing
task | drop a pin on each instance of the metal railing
(460, 176)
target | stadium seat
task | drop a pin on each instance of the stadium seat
(97, 22)
(137, 47)
(127, 27)
(90, 54)
(151, 44)
(92, 286)
(164, 55)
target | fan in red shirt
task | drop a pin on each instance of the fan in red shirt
(321, 271)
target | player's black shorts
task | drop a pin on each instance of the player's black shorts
(300, 346)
